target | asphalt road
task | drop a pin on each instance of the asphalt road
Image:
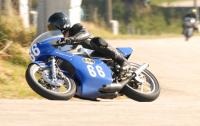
(173, 61)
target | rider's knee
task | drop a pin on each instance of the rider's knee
(98, 42)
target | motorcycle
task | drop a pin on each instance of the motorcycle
(63, 71)
(189, 25)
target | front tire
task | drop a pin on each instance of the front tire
(188, 32)
(134, 92)
(48, 92)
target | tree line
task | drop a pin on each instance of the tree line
(136, 16)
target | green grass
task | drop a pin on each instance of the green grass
(12, 74)
(157, 2)
(96, 30)
(13, 83)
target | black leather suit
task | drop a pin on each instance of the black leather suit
(78, 32)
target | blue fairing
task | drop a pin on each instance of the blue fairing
(125, 51)
(88, 85)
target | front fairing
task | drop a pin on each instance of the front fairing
(91, 74)
(43, 44)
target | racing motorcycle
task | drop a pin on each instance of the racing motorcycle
(189, 25)
(63, 71)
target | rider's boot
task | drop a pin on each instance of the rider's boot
(125, 67)
(102, 47)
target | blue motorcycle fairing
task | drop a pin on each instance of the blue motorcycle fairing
(91, 75)
(45, 48)
(126, 51)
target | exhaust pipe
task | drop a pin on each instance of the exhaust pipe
(111, 88)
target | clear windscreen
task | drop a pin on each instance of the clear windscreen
(47, 35)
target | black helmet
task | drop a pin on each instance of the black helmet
(59, 21)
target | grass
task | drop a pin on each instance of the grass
(12, 74)
(157, 2)
(96, 30)
(13, 83)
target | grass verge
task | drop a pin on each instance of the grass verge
(12, 82)
(12, 74)
(106, 34)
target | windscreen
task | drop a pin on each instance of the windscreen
(47, 35)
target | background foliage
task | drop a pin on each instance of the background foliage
(137, 18)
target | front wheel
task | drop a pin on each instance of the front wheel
(188, 32)
(146, 91)
(36, 79)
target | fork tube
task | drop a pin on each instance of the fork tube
(53, 68)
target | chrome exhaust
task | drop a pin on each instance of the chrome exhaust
(111, 88)
(118, 86)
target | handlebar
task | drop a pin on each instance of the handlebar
(67, 41)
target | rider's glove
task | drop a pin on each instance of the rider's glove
(61, 42)
(64, 41)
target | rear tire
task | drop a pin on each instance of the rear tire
(134, 94)
(44, 92)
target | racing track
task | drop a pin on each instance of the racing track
(174, 62)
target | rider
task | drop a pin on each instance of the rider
(193, 14)
(60, 21)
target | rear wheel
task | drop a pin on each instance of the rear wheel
(146, 91)
(36, 79)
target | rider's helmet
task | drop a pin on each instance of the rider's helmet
(59, 21)
(194, 11)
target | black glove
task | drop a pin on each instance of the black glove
(61, 42)
(64, 41)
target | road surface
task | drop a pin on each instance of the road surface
(173, 61)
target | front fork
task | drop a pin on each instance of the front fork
(53, 69)
(54, 72)
(139, 71)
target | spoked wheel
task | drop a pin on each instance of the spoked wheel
(63, 88)
(146, 91)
